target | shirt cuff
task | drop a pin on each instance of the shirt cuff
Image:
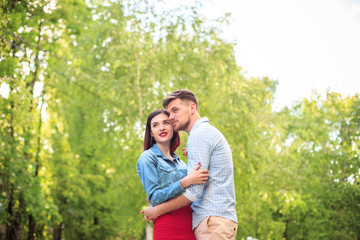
(189, 195)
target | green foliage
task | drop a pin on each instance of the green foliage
(323, 180)
(68, 154)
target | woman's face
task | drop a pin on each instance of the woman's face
(161, 129)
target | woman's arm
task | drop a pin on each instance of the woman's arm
(147, 170)
(148, 174)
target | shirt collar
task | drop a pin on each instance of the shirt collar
(198, 122)
(159, 153)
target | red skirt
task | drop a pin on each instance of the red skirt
(176, 225)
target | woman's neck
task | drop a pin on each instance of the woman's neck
(165, 149)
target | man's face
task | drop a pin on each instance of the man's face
(180, 114)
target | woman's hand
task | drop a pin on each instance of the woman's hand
(195, 177)
(185, 153)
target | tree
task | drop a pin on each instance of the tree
(82, 77)
(318, 135)
(23, 31)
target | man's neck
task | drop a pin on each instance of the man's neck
(192, 122)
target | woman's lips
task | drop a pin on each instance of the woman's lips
(163, 134)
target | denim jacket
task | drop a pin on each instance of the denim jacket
(160, 176)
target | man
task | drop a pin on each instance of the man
(213, 203)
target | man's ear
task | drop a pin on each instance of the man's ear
(193, 107)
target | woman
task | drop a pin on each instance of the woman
(163, 176)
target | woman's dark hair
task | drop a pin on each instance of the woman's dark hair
(149, 141)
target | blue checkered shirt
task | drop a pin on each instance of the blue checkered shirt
(216, 197)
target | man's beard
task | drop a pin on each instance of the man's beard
(178, 127)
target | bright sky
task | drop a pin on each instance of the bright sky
(304, 44)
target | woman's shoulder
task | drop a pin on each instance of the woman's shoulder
(147, 156)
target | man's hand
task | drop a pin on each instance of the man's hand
(150, 213)
(146, 217)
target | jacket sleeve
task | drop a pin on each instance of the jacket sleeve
(148, 173)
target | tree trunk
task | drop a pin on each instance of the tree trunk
(12, 230)
(57, 232)
(11, 233)
(12, 226)
(32, 222)
(32, 225)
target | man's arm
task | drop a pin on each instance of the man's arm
(151, 213)
(199, 149)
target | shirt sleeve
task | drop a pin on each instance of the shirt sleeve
(147, 170)
(198, 152)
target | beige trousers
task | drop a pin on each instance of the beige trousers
(216, 228)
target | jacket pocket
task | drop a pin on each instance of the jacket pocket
(166, 169)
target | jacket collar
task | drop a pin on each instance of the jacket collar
(159, 153)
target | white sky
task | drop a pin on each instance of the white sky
(304, 44)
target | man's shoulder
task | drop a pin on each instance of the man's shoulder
(206, 129)
(205, 132)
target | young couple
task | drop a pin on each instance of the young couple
(209, 186)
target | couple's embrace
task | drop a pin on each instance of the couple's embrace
(194, 201)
